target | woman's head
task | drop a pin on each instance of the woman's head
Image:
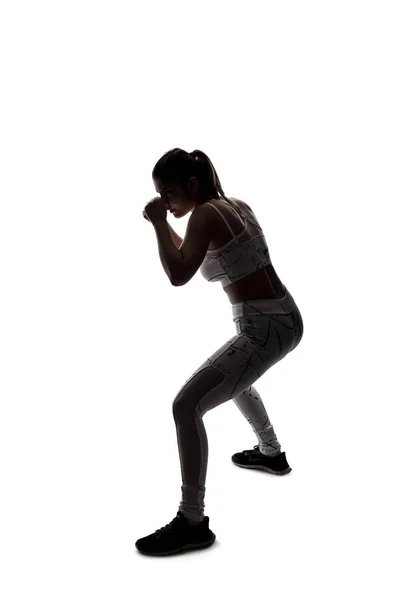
(185, 180)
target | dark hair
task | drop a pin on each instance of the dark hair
(177, 166)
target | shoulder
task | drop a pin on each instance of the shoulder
(200, 220)
(241, 203)
(203, 214)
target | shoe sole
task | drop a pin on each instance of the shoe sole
(185, 548)
(263, 468)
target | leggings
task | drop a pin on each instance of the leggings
(267, 330)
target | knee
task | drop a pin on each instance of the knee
(184, 408)
(187, 403)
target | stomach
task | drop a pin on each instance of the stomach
(262, 284)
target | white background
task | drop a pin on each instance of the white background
(297, 105)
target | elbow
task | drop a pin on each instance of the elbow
(176, 282)
(179, 282)
(178, 275)
(178, 279)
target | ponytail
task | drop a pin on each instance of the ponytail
(177, 166)
(212, 174)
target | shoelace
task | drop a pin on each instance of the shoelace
(166, 527)
(256, 450)
(247, 452)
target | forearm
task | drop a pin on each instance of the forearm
(175, 237)
(170, 256)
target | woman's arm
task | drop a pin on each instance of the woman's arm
(175, 237)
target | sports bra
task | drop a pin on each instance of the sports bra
(244, 254)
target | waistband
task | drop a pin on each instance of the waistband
(250, 308)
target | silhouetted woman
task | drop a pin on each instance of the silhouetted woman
(225, 241)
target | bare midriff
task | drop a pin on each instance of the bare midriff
(262, 284)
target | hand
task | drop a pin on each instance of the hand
(155, 210)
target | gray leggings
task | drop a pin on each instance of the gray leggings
(267, 330)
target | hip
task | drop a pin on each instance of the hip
(259, 319)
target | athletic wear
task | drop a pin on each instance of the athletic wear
(177, 536)
(254, 459)
(244, 254)
(266, 331)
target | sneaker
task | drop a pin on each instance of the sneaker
(254, 459)
(177, 536)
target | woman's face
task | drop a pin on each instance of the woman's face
(174, 197)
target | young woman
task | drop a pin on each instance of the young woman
(226, 242)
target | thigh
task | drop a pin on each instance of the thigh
(243, 360)
(195, 395)
(262, 340)
(226, 373)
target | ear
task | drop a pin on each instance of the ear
(195, 244)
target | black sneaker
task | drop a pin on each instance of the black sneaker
(254, 459)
